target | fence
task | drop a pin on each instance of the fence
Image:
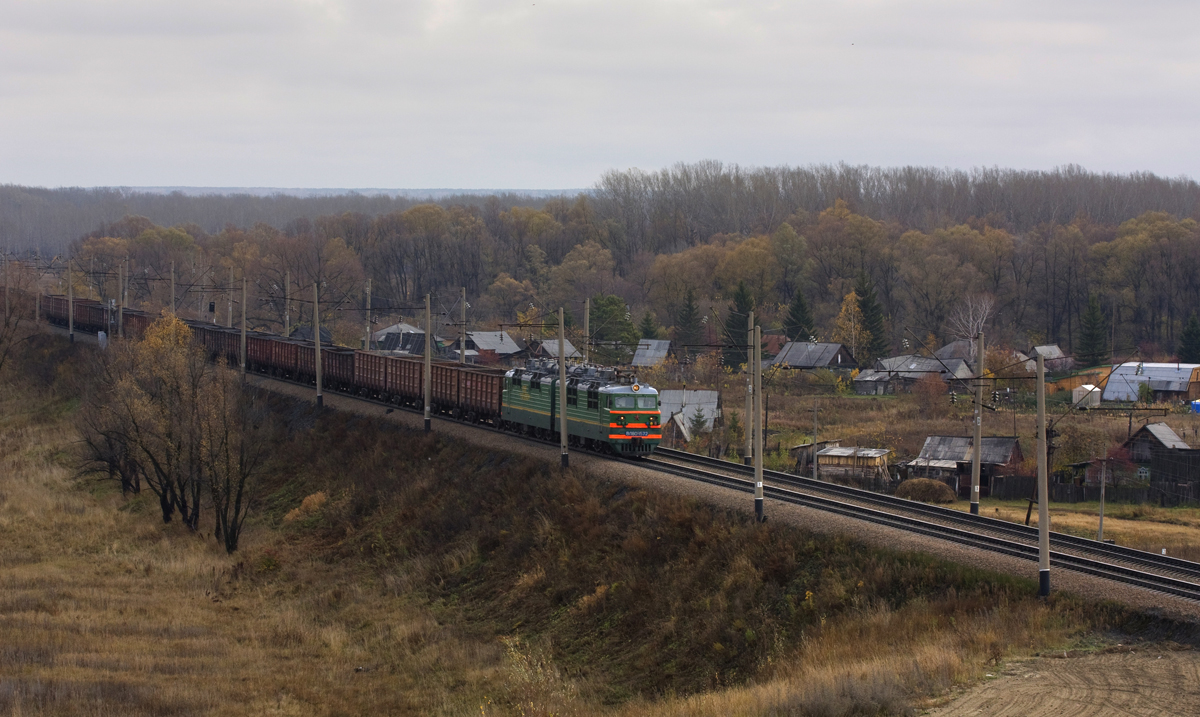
(1160, 493)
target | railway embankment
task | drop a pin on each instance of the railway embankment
(388, 570)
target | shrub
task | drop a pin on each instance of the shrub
(926, 490)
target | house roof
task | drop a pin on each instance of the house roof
(1047, 351)
(1163, 434)
(400, 328)
(914, 368)
(849, 451)
(687, 402)
(651, 352)
(498, 341)
(304, 333)
(802, 354)
(993, 449)
(1125, 379)
(550, 348)
(960, 349)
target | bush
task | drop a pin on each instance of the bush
(926, 490)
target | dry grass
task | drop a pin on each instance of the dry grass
(104, 610)
(1143, 527)
(339, 610)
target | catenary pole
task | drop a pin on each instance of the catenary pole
(1043, 484)
(229, 299)
(243, 326)
(756, 354)
(1103, 481)
(462, 338)
(121, 300)
(814, 442)
(316, 326)
(587, 330)
(562, 387)
(367, 321)
(6, 309)
(748, 458)
(428, 362)
(287, 303)
(977, 443)
(70, 305)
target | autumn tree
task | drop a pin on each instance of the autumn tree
(647, 328)
(849, 328)
(613, 333)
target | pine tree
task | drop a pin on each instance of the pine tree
(647, 328)
(849, 329)
(1189, 341)
(875, 345)
(689, 332)
(1093, 338)
(798, 325)
(736, 326)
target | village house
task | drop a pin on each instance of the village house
(948, 459)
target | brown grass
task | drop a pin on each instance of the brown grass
(399, 592)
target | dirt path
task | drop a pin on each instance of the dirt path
(1150, 681)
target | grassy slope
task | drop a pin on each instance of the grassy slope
(462, 580)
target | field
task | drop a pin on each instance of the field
(369, 583)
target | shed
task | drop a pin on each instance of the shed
(1150, 438)
(549, 349)
(802, 354)
(1053, 357)
(898, 373)
(948, 459)
(651, 352)
(866, 467)
(686, 402)
(1169, 381)
(1085, 396)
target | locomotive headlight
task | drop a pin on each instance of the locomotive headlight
(654, 420)
(622, 420)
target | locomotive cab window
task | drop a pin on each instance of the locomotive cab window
(646, 402)
(624, 401)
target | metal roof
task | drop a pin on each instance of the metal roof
(400, 328)
(1124, 382)
(550, 348)
(498, 341)
(960, 349)
(802, 354)
(651, 352)
(1047, 351)
(1168, 437)
(915, 368)
(850, 451)
(993, 449)
(932, 463)
(687, 402)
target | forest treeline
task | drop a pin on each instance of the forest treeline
(678, 252)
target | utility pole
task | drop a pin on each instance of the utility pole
(814, 443)
(6, 287)
(1043, 484)
(70, 305)
(428, 362)
(316, 324)
(587, 330)
(172, 288)
(229, 299)
(287, 303)
(1103, 481)
(243, 327)
(756, 353)
(976, 445)
(562, 387)
(748, 457)
(121, 300)
(367, 330)
(462, 339)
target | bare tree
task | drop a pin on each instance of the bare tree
(972, 316)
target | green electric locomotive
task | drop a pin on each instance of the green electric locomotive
(607, 411)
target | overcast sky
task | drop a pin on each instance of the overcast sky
(551, 93)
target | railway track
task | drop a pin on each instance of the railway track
(1164, 573)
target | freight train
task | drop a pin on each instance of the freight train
(608, 410)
